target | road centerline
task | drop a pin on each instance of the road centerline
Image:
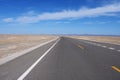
(116, 69)
(80, 46)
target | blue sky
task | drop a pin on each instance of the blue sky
(99, 17)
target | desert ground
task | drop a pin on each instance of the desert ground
(10, 44)
(105, 39)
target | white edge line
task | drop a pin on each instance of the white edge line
(104, 46)
(111, 48)
(98, 44)
(18, 54)
(118, 50)
(34, 64)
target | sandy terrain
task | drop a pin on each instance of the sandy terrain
(14, 43)
(10, 44)
(108, 39)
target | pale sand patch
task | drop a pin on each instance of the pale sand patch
(10, 44)
(9, 57)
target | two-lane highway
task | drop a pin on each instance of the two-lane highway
(65, 59)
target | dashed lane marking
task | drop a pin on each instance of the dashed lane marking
(111, 48)
(80, 46)
(104, 46)
(99, 45)
(118, 50)
(116, 69)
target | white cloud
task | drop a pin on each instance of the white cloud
(108, 10)
(27, 19)
(8, 20)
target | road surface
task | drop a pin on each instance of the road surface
(66, 59)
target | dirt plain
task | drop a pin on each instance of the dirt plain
(10, 44)
(105, 39)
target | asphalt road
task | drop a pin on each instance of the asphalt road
(68, 59)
